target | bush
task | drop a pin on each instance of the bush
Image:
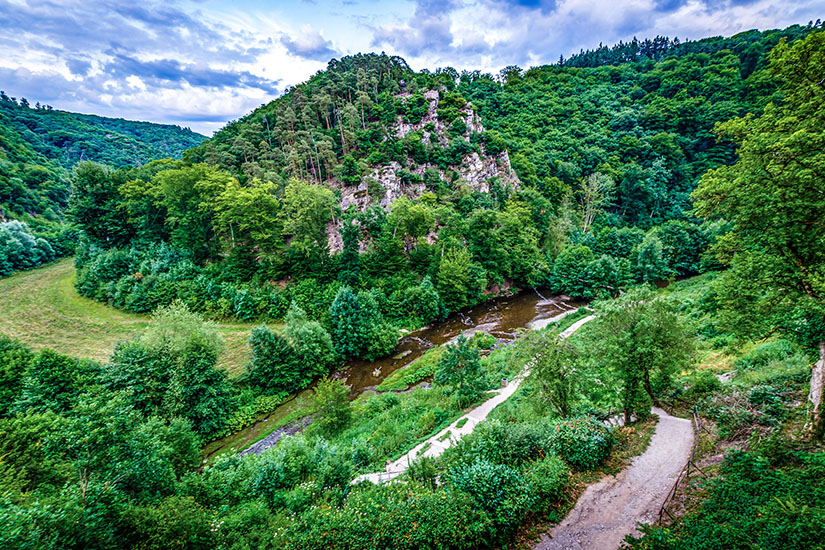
(500, 443)
(583, 442)
(498, 489)
(334, 409)
(548, 479)
(274, 365)
(399, 516)
(703, 383)
(753, 506)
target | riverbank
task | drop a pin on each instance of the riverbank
(438, 443)
(502, 318)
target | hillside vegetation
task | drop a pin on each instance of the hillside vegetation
(373, 198)
(39, 146)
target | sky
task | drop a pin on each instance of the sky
(202, 63)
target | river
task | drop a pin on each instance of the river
(501, 317)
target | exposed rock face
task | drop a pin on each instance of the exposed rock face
(382, 184)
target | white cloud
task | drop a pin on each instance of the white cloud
(201, 64)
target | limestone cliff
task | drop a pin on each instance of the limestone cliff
(383, 185)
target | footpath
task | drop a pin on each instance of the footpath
(608, 510)
(440, 442)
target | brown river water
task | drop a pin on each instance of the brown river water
(501, 317)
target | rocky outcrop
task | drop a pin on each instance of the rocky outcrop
(383, 184)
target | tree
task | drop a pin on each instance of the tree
(349, 335)
(607, 275)
(644, 342)
(247, 216)
(552, 369)
(306, 209)
(460, 368)
(170, 371)
(54, 381)
(570, 271)
(189, 194)
(274, 367)
(350, 260)
(775, 196)
(649, 263)
(14, 362)
(357, 326)
(311, 342)
(95, 205)
(453, 280)
(334, 409)
(595, 193)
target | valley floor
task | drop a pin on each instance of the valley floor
(42, 309)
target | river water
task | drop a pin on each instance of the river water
(501, 317)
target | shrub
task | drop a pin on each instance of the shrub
(753, 506)
(583, 442)
(703, 383)
(548, 478)
(334, 409)
(274, 367)
(500, 443)
(498, 489)
(391, 516)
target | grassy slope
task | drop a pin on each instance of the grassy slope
(42, 309)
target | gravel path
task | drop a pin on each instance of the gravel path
(437, 444)
(609, 510)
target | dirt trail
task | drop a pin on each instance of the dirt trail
(609, 510)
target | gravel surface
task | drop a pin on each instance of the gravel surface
(609, 509)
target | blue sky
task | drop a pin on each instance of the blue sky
(203, 63)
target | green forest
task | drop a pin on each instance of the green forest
(673, 189)
(39, 146)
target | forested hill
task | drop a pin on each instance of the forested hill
(68, 138)
(750, 46)
(38, 148)
(373, 176)
(39, 145)
(646, 124)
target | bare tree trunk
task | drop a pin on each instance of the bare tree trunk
(815, 394)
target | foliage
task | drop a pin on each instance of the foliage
(39, 146)
(458, 368)
(548, 476)
(334, 409)
(275, 366)
(753, 505)
(20, 249)
(311, 342)
(583, 442)
(772, 196)
(495, 488)
(644, 341)
(170, 370)
(552, 370)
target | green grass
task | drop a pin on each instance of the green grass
(569, 320)
(42, 309)
(413, 373)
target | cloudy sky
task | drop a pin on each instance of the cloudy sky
(202, 63)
